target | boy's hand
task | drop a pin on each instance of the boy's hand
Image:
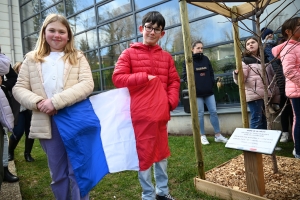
(150, 77)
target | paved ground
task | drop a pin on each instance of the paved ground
(10, 191)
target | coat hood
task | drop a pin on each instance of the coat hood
(139, 45)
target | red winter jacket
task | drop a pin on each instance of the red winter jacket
(137, 62)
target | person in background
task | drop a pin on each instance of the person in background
(22, 124)
(138, 65)
(4, 69)
(53, 76)
(289, 54)
(286, 114)
(204, 81)
(254, 86)
(7, 82)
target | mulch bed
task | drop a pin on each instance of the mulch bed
(283, 185)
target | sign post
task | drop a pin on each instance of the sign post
(254, 142)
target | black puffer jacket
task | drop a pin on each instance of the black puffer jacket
(204, 75)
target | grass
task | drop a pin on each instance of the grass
(35, 178)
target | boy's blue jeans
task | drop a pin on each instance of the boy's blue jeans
(212, 108)
(258, 118)
(161, 179)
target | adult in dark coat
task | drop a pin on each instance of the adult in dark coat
(204, 81)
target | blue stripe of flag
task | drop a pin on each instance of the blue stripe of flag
(80, 128)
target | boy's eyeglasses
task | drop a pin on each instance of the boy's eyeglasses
(149, 29)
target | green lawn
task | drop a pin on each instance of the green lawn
(35, 178)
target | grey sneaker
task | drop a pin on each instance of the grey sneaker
(204, 140)
(284, 137)
(166, 197)
(294, 152)
(221, 138)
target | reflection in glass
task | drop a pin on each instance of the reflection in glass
(83, 21)
(29, 42)
(195, 11)
(244, 27)
(172, 40)
(93, 60)
(30, 9)
(57, 9)
(279, 15)
(119, 30)
(113, 9)
(142, 4)
(73, 6)
(107, 79)
(110, 55)
(228, 93)
(87, 40)
(211, 30)
(169, 10)
(31, 25)
(96, 78)
(47, 3)
(222, 58)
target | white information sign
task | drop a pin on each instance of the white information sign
(254, 140)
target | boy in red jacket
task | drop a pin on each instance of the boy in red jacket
(136, 66)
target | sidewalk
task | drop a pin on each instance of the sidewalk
(10, 191)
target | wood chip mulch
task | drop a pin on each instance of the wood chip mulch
(283, 185)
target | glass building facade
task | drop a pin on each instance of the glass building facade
(104, 28)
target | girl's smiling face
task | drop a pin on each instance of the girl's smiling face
(56, 35)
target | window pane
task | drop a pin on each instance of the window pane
(228, 93)
(113, 9)
(195, 11)
(142, 3)
(93, 59)
(86, 41)
(279, 14)
(211, 30)
(83, 21)
(73, 6)
(110, 55)
(169, 10)
(47, 3)
(172, 40)
(96, 78)
(30, 9)
(57, 9)
(222, 58)
(107, 80)
(31, 25)
(116, 31)
(29, 43)
(23, 1)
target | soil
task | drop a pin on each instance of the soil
(280, 186)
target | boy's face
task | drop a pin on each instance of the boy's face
(151, 33)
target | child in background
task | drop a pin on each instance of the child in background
(136, 66)
(289, 54)
(53, 76)
(254, 85)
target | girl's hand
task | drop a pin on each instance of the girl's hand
(47, 107)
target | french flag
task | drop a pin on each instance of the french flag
(122, 129)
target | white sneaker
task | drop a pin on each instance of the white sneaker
(204, 140)
(284, 137)
(221, 138)
(294, 152)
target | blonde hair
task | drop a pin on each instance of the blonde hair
(17, 66)
(42, 47)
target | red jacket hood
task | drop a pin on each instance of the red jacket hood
(139, 45)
